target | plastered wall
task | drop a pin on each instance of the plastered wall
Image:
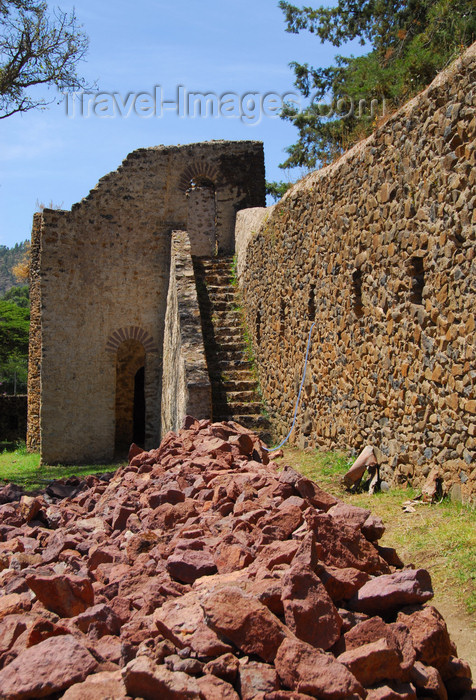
(379, 250)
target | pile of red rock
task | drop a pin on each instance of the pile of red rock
(201, 570)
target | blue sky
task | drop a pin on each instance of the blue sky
(205, 46)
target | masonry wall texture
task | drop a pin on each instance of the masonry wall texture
(379, 250)
(186, 388)
(100, 275)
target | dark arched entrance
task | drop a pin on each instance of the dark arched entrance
(138, 426)
(130, 395)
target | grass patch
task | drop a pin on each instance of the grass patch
(21, 467)
(440, 537)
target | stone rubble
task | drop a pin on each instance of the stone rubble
(202, 570)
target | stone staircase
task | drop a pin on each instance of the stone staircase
(234, 386)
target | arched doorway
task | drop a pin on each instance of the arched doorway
(130, 395)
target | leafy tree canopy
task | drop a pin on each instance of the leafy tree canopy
(410, 40)
(277, 189)
(14, 329)
(37, 47)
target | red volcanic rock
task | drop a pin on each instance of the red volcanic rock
(203, 571)
(429, 633)
(246, 622)
(14, 603)
(98, 620)
(385, 593)
(308, 610)
(232, 557)
(308, 670)
(181, 620)
(43, 629)
(344, 546)
(373, 662)
(428, 681)
(189, 564)
(224, 667)
(257, 678)
(67, 596)
(213, 688)
(107, 684)
(392, 691)
(341, 584)
(145, 679)
(46, 668)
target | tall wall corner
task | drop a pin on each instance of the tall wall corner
(33, 433)
(186, 388)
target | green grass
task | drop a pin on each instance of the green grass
(21, 467)
(440, 537)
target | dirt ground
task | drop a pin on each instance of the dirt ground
(461, 627)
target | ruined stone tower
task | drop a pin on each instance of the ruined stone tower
(100, 279)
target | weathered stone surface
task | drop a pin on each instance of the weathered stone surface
(307, 670)
(213, 688)
(98, 620)
(388, 286)
(429, 634)
(182, 621)
(188, 565)
(428, 681)
(344, 546)
(257, 678)
(107, 684)
(392, 691)
(13, 603)
(145, 679)
(224, 667)
(65, 595)
(247, 623)
(373, 662)
(385, 593)
(46, 668)
(341, 583)
(308, 610)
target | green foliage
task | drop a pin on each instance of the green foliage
(14, 331)
(411, 40)
(37, 47)
(9, 257)
(19, 296)
(22, 467)
(277, 189)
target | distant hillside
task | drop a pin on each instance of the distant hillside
(8, 258)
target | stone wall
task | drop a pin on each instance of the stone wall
(13, 411)
(100, 275)
(186, 386)
(379, 250)
(248, 223)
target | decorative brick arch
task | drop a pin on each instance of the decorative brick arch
(196, 171)
(130, 333)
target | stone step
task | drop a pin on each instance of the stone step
(228, 336)
(240, 385)
(216, 264)
(232, 365)
(253, 422)
(242, 409)
(215, 279)
(237, 346)
(231, 355)
(243, 396)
